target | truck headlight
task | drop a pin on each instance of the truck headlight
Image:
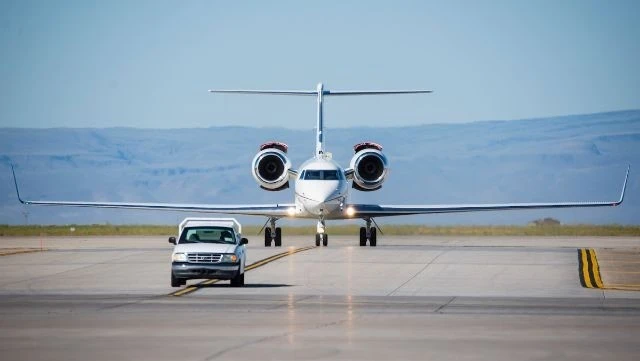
(233, 258)
(179, 257)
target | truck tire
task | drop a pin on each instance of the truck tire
(238, 281)
(177, 282)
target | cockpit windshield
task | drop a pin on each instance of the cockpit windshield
(327, 174)
(207, 235)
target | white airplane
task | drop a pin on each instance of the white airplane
(321, 185)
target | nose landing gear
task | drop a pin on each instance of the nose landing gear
(321, 236)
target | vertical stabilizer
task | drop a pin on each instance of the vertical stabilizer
(319, 122)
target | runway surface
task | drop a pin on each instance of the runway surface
(458, 298)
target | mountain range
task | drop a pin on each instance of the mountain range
(568, 158)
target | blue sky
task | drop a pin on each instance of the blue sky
(148, 64)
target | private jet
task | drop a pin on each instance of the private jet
(321, 185)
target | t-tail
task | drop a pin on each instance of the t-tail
(320, 93)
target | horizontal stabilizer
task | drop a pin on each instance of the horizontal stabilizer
(268, 92)
(376, 92)
(318, 91)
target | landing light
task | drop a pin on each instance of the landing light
(350, 211)
(291, 211)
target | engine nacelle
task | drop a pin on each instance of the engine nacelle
(270, 167)
(370, 167)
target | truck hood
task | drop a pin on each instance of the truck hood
(204, 248)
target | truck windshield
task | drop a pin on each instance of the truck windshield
(207, 235)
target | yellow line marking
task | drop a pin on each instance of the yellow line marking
(611, 261)
(184, 291)
(585, 271)
(596, 268)
(623, 285)
(254, 265)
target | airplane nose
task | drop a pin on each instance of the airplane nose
(327, 195)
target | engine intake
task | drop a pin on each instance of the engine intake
(370, 167)
(271, 167)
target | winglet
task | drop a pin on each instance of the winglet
(15, 182)
(624, 187)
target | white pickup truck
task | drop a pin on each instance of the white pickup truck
(208, 248)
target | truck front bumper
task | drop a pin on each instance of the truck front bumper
(223, 271)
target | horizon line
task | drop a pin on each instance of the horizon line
(466, 122)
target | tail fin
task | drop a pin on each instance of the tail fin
(320, 92)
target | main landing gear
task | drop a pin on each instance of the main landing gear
(321, 236)
(368, 233)
(272, 234)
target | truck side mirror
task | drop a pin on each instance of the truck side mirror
(172, 240)
(244, 241)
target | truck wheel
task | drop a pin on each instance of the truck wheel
(363, 236)
(267, 237)
(238, 281)
(278, 241)
(177, 282)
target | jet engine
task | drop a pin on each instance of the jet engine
(270, 167)
(370, 166)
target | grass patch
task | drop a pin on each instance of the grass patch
(392, 230)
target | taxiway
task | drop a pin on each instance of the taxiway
(498, 298)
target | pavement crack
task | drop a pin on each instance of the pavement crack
(131, 303)
(288, 305)
(417, 273)
(272, 337)
(439, 309)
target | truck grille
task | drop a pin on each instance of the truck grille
(204, 257)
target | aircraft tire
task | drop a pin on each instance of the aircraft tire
(363, 236)
(325, 240)
(278, 240)
(267, 237)
(374, 238)
(317, 239)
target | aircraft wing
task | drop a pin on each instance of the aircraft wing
(380, 210)
(269, 210)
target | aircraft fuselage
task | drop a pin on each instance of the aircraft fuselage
(321, 189)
